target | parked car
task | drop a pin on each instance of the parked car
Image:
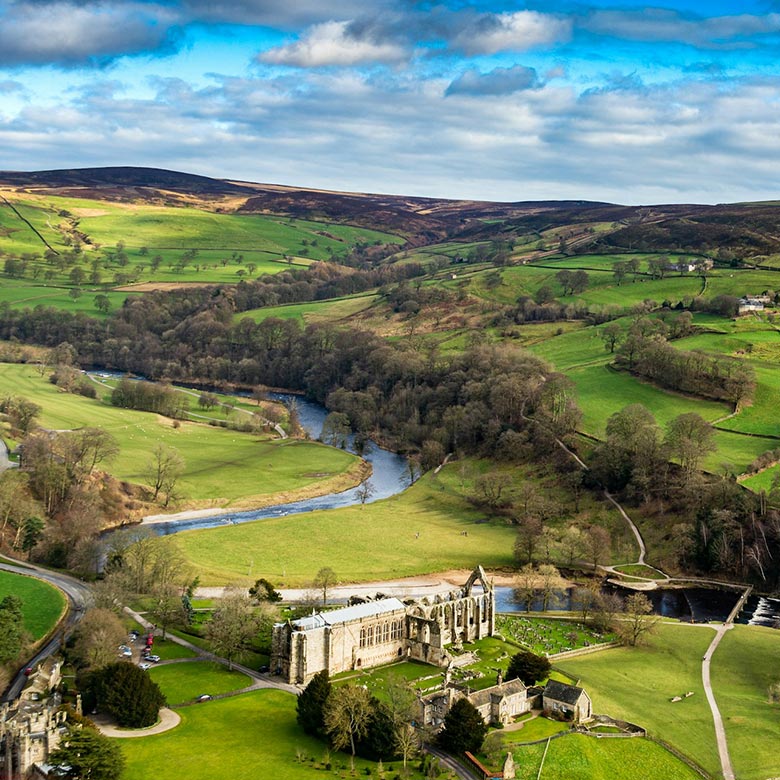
(144, 666)
(263, 669)
(205, 697)
(155, 659)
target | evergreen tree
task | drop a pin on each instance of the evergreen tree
(311, 704)
(85, 754)
(529, 667)
(11, 628)
(463, 729)
(128, 694)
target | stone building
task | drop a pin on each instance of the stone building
(501, 703)
(566, 700)
(378, 632)
(32, 726)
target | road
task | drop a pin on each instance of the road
(5, 463)
(720, 732)
(79, 598)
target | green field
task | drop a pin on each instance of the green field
(162, 244)
(248, 737)
(602, 391)
(637, 684)
(42, 604)
(221, 465)
(184, 682)
(315, 311)
(743, 668)
(377, 541)
(21, 294)
(579, 757)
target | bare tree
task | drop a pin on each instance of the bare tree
(164, 470)
(638, 619)
(346, 716)
(324, 579)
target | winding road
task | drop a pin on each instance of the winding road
(79, 598)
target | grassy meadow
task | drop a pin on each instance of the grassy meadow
(222, 466)
(637, 684)
(432, 526)
(742, 671)
(184, 682)
(250, 736)
(175, 245)
(42, 604)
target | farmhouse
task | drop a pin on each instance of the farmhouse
(751, 303)
(377, 632)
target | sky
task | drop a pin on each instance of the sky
(619, 101)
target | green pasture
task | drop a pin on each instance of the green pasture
(168, 650)
(42, 604)
(606, 261)
(315, 311)
(604, 291)
(580, 347)
(637, 684)
(743, 668)
(183, 682)
(253, 735)
(25, 294)
(184, 228)
(227, 247)
(579, 757)
(221, 465)
(417, 531)
(602, 391)
(432, 526)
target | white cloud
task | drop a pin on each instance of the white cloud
(518, 31)
(334, 43)
(66, 33)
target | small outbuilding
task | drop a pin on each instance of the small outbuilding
(567, 701)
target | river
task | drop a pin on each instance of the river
(391, 475)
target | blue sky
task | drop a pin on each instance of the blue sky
(601, 100)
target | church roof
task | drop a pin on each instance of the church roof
(348, 614)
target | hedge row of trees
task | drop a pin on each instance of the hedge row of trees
(150, 397)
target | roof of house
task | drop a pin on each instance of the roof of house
(568, 694)
(508, 688)
(348, 614)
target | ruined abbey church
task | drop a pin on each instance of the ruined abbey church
(382, 631)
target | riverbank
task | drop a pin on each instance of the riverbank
(352, 478)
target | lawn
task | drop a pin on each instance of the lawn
(253, 736)
(42, 604)
(221, 465)
(743, 668)
(637, 684)
(579, 757)
(183, 682)
(415, 532)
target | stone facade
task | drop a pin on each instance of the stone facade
(378, 632)
(32, 726)
(568, 701)
(501, 703)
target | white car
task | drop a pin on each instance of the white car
(144, 666)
